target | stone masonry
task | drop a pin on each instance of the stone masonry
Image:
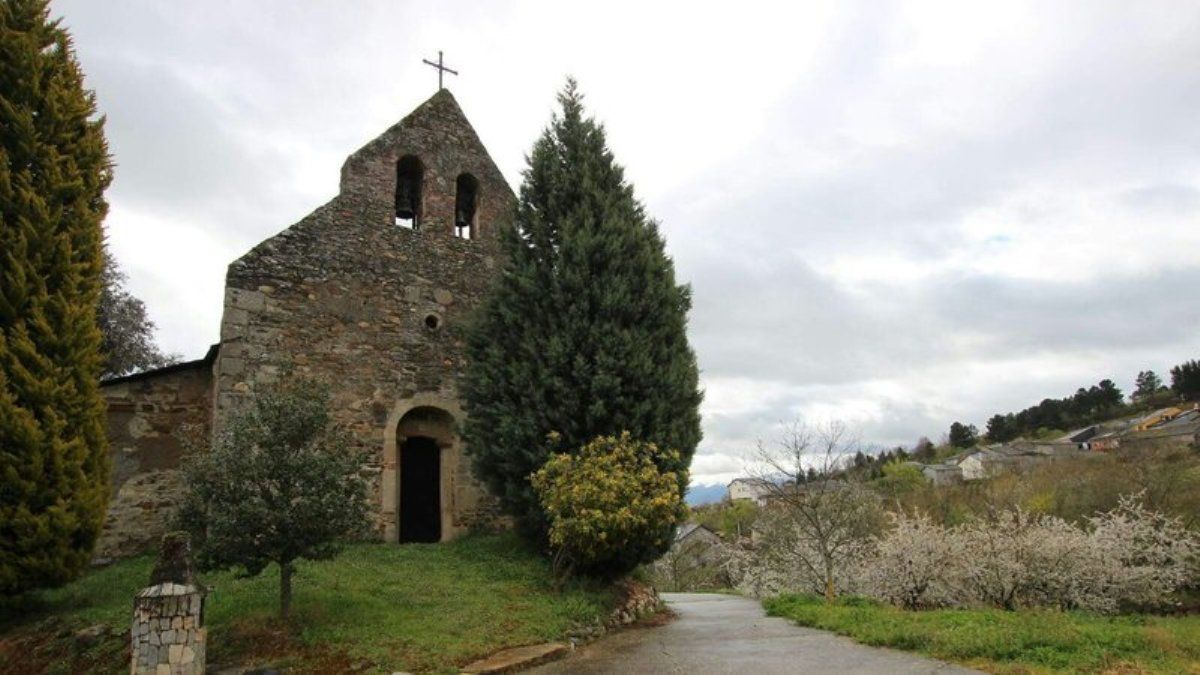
(168, 633)
(148, 415)
(351, 296)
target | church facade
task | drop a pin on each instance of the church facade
(369, 294)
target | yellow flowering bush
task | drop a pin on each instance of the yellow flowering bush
(609, 506)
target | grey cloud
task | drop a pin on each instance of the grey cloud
(215, 108)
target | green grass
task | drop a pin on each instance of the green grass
(1010, 642)
(376, 607)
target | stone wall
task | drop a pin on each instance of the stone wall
(374, 309)
(168, 634)
(147, 414)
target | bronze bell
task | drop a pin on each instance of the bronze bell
(407, 197)
(464, 208)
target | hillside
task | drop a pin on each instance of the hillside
(376, 607)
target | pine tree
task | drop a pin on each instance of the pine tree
(1185, 379)
(585, 333)
(54, 168)
(1148, 384)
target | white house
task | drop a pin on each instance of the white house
(753, 489)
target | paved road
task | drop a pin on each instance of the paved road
(727, 634)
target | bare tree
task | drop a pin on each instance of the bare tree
(691, 564)
(821, 517)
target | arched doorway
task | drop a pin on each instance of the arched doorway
(422, 435)
(420, 490)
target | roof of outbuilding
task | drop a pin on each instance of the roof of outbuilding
(209, 357)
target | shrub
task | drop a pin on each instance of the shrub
(1018, 559)
(279, 484)
(1142, 556)
(910, 564)
(609, 506)
(1127, 556)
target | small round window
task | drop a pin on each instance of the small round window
(433, 322)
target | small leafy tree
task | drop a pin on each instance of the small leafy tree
(609, 506)
(900, 477)
(278, 485)
(128, 333)
(737, 518)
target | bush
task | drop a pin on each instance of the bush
(609, 506)
(1129, 556)
(910, 564)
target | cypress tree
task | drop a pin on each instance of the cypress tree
(584, 333)
(54, 167)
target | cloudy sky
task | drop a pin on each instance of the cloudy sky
(895, 214)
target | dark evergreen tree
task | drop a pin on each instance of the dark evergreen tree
(1148, 384)
(585, 332)
(54, 167)
(1002, 428)
(962, 435)
(1185, 379)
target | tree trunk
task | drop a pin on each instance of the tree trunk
(285, 589)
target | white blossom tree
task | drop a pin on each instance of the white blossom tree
(818, 522)
(912, 563)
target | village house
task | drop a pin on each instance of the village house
(752, 489)
(695, 560)
(945, 473)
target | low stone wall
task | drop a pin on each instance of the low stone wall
(168, 634)
(638, 600)
(635, 601)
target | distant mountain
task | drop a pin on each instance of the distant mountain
(705, 494)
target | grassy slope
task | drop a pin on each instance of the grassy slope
(1011, 642)
(378, 606)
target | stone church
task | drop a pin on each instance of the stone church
(368, 293)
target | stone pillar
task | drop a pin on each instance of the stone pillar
(168, 630)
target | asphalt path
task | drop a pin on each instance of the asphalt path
(729, 634)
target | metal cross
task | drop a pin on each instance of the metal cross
(440, 68)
